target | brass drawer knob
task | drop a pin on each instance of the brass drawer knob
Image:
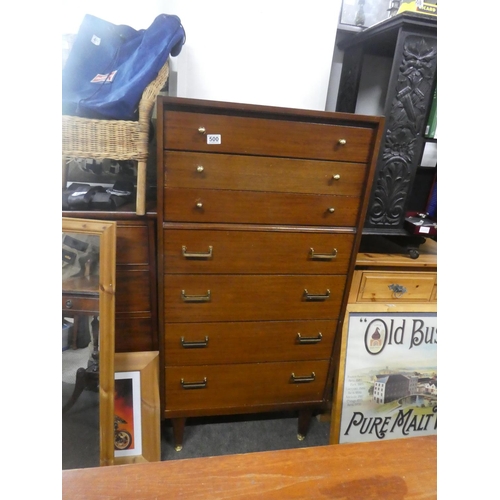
(202, 130)
(336, 177)
(199, 205)
(331, 210)
(342, 142)
(69, 304)
(200, 168)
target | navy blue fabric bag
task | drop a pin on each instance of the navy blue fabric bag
(110, 65)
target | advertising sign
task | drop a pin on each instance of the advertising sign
(390, 377)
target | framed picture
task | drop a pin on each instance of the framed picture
(387, 382)
(137, 408)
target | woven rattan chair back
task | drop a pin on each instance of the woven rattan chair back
(114, 139)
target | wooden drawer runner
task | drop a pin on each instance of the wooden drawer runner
(258, 136)
(279, 252)
(250, 384)
(206, 205)
(248, 342)
(377, 286)
(253, 173)
(216, 297)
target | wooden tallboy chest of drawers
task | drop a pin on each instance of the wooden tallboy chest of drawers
(259, 217)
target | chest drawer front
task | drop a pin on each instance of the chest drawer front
(200, 298)
(204, 205)
(248, 342)
(266, 137)
(226, 386)
(132, 244)
(133, 292)
(230, 251)
(379, 286)
(80, 304)
(254, 173)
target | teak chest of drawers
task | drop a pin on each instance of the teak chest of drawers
(259, 217)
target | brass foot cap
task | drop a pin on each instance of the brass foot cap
(178, 448)
(300, 437)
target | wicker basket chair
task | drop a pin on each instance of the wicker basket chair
(114, 139)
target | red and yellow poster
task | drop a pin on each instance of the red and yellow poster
(127, 414)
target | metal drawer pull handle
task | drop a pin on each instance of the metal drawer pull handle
(309, 340)
(194, 385)
(202, 130)
(315, 296)
(195, 298)
(302, 380)
(194, 344)
(336, 177)
(342, 142)
(397, 290)
(323, 256)
(197, 255)
(199, 205)
(200, 168)
(331, 210)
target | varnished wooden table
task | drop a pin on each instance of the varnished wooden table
(402, 469)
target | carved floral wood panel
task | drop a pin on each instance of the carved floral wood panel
(405, 124)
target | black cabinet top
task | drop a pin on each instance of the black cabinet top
(381, 38)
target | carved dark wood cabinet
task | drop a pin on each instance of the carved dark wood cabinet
(410, 41)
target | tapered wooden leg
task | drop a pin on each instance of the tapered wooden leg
(178, 425)
(304, 421)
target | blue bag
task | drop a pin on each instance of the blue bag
(110, 65)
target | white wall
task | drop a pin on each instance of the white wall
(275, 52)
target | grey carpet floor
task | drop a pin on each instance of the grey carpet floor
(205, 437)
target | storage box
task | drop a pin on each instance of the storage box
(67, 333)
(428, 7)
